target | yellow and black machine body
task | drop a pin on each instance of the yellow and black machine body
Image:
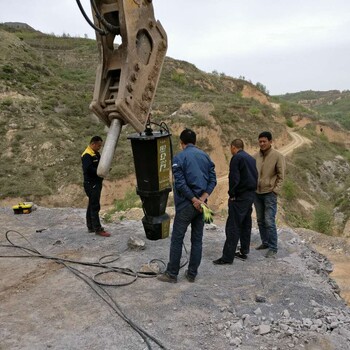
(152, 158)
(22, 208)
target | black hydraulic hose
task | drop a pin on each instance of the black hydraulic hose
(165, 127)
(110, 27)
(97, 29)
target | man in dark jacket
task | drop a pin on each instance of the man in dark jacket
(194, 180)
(93, 185)
(243, 179)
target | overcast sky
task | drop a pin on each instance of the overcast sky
(287, 45)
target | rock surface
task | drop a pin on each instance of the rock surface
(284, 303)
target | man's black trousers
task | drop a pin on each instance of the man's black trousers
(238, 225)
(93, 191)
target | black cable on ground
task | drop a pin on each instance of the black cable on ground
(96, 286)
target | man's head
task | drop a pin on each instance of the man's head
(96, 143)
(187, 136)
(236, 145)
(265, 140)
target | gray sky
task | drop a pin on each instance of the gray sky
(287, 45)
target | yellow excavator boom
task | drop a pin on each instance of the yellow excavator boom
(132, 47)
(128, 73)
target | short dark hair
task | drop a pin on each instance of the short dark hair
(188, 136)
(95, 139)
(238, 143)
(266, 134)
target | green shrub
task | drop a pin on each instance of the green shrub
(255, 111)
(296, 219)
(8, 69)
(6, 102)
(262, 88)
(290, 122)
(204, 144)
(194, 120)
(289, 190)
(131, 200)
(322, 219)
(286, 109)
(178, 78)
(323, 138)
(107, 218)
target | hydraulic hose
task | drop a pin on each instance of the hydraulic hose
(109, 147)
(97, 29)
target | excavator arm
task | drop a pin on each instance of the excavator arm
(132, 47)
(126, 81)
(128, 73)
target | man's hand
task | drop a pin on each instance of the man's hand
(197, 203)
(204, 197)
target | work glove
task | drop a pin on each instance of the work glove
(207, 214)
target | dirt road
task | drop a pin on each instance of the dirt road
(297, 142)
(218, 198)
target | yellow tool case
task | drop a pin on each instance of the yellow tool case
(22, 208)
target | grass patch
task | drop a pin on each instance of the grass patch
(323, 219)
(289, 123)
(289, 190)
(131, 200)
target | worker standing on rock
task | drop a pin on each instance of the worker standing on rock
(93, 185)
(243, 177)
(194, 180)
(271, 170)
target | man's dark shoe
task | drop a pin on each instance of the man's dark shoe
(91, 230)
(241, 256)
(165, 277)
(270, 254)
(103, 233)
(221, 262)
(262, 246)
(189, 278)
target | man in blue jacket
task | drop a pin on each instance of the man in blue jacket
(93, 185)
(243, 178)
(194, 180)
